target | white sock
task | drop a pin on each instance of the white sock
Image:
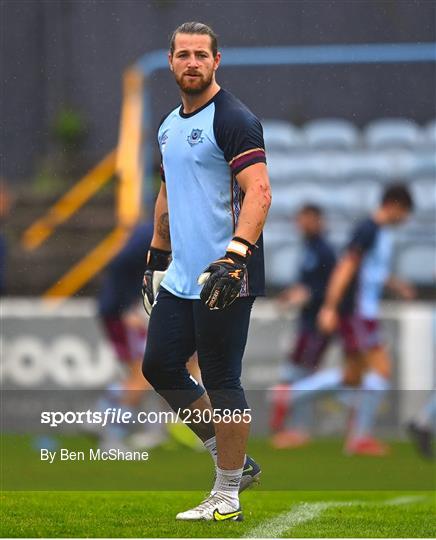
(228, 482)
(210, 446)
(374, 388)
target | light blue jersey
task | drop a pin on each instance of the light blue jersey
(374, 244)
(202, 153)
(374, 272)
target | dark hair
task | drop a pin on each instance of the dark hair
(311, 208)
(399, 194)
(194, 27)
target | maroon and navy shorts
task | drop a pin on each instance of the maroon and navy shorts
(309, 348)
(129, 343)
(358, 334)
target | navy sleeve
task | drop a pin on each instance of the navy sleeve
(161, 167)
(301, 276)
(363, 237)
(323, 262)
(134, 252)
(238, 133)
(328, 260)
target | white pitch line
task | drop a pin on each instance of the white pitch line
(405, 500)
(302, 513)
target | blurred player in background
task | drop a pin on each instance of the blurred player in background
(422, 427)
(351, 306)
(209, 214)
(318, 260)
(126, 328)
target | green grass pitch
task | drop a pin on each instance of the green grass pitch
(151, 514)
(386, 497)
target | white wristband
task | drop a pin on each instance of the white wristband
(237, 247)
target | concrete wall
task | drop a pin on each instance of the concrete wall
(62, 356)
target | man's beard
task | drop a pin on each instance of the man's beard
(201, 85)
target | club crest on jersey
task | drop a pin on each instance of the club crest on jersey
(195, 137)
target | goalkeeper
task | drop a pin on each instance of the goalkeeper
(209, 216)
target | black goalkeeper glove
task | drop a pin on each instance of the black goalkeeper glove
(157, 263)
(223, 278)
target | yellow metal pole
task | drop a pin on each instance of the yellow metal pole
(128, 166)
(70, 203)
(89, 266)
(129, 159)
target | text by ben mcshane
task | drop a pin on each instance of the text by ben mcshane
(111, 454)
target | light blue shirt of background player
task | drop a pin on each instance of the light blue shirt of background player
(374, 244)
(374, 273)
(202, 152)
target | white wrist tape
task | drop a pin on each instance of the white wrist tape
(237, 247)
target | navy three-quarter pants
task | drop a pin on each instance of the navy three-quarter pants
(178, 327)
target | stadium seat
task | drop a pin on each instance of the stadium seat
(349, 198)
(281, 264)
(281, 136)
(299, 167)
(278, 166)
(417, 230)
(424, 194)
(430, 133)
(400, 163)
(281, 243)
(280, 205)
(328, 133)
(288, 199)
(387, 165)
(392, 133)
(424, 164)
(417, 263)
(355, 198)
(364, 164)
(279, 233)
(334, 165)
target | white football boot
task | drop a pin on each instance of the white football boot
(217, 507)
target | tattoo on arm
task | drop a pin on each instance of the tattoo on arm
(163, 226)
